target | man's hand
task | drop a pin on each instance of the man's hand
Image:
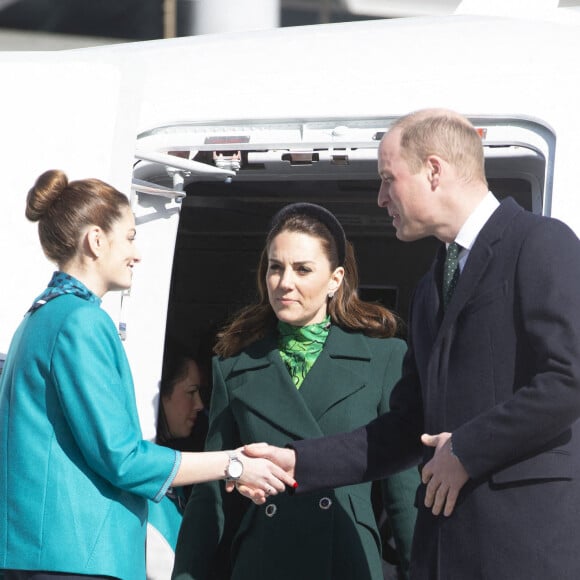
(444, 475)
(282, 457)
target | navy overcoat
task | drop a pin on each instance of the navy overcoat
(500, 369)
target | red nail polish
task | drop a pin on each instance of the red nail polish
(295, 485)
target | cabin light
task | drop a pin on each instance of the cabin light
(226, 139)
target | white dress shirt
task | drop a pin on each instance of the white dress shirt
(473, 225)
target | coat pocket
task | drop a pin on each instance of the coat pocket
(550, 465)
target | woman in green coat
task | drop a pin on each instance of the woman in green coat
(310, 359)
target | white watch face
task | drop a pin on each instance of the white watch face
(235, 468)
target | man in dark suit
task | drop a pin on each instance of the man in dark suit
(489, 400)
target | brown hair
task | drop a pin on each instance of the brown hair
(446, 134)
(62, 209)
(345, 308)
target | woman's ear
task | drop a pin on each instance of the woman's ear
(336, 279)
(94, 239)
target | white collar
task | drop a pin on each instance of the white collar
(476, 220)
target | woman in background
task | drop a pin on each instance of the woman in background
(181, 424)
(75, 473)
(309, 359)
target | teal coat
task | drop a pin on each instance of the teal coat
(75, 474)
(330, 535)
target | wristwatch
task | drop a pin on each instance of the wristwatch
(235, 467)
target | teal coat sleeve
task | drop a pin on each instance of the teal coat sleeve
(101, 411)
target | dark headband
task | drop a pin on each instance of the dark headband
(320, 214)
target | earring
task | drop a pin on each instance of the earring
(331, 294)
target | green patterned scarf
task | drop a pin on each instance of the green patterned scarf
(300, 346)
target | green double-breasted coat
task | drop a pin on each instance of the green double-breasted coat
(331, 535)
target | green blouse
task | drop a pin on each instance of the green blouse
(300, 346)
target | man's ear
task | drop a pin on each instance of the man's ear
(434, 166)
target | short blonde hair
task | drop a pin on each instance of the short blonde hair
(446, 134)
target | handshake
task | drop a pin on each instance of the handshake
(267, 470)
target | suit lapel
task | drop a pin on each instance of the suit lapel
(478, 261)
(434, 293)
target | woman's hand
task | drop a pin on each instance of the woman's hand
(260, 476)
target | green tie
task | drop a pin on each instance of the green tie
(450, 272)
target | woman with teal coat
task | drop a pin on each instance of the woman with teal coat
(310, 359)
(75, 473)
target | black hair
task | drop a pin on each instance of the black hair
(319, 213)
